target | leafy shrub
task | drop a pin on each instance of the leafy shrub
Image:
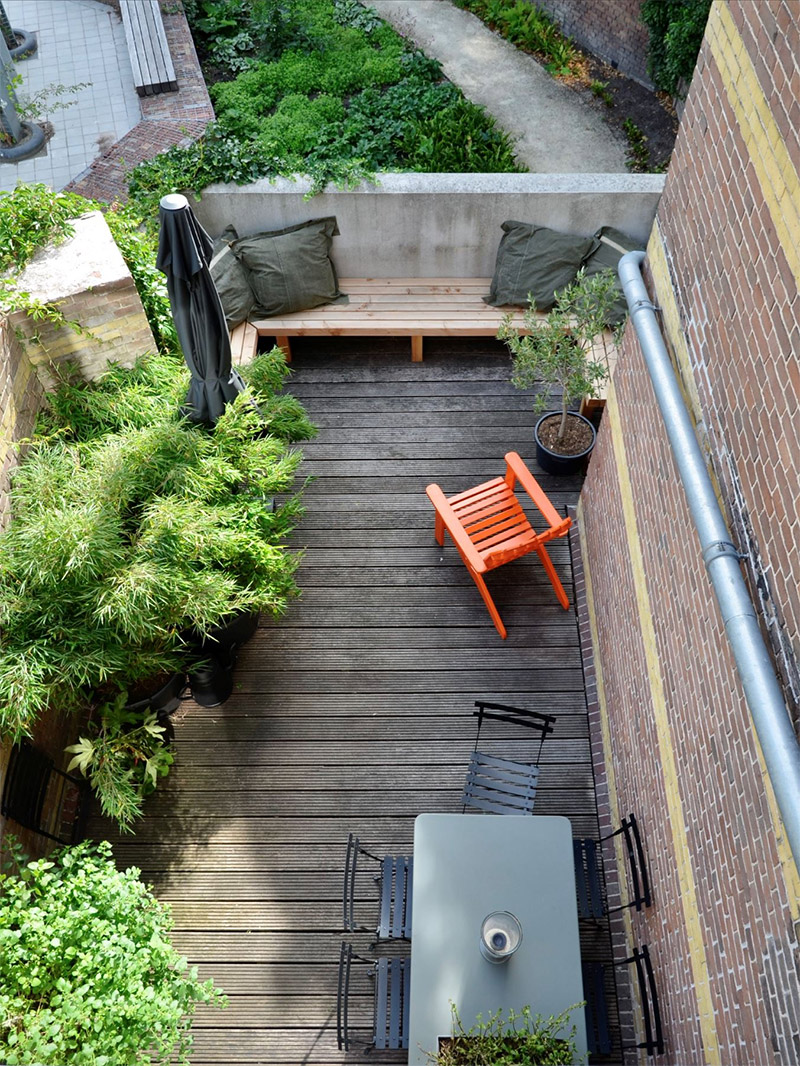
(364, 88)
(676, 32)
(234, 33)
(87, 972)
(521, 1039)
(129, 526)
(460, 140)
(298, 122)
(31, 217)
(557, 352)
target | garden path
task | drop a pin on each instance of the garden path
(556, 131)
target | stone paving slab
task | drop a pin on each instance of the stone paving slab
(556, 132)
(79, 41)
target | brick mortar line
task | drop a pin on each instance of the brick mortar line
(189, 114)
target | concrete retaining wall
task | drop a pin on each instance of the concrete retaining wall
(437, 225)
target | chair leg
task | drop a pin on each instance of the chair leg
(487, 599)
(550, 570)
(438, 529)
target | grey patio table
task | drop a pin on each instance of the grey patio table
(465, 867)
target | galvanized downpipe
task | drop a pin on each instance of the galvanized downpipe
(754, 665)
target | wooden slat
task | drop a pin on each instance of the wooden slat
(148, 49)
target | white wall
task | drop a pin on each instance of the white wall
(437, 225)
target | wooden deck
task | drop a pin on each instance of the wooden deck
(354, 711)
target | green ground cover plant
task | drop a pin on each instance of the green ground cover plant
(530, 29)
(331, 92)
(88, 975)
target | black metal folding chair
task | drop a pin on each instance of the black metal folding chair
(39, 797)
(653, 1042)
(498, 785)
(391, 983)
(394, 878)
(588, 881)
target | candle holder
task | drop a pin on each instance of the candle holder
(501, 935)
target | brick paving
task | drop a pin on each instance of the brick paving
(110, 128)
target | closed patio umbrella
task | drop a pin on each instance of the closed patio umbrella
(184, 252)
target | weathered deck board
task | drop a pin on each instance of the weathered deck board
(354, 711)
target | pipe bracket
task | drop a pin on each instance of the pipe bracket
(720, 549)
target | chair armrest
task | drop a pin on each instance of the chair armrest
(469, 552)
(516, 470)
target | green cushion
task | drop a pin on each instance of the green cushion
(230, 279)
(612, 244)
(291, 269)
(535, 260)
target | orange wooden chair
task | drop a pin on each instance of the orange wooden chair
(490, 528)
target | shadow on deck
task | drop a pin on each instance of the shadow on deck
(354, 711)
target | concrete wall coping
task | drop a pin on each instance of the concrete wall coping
(436, 225)
(88, 260)
(410, 184)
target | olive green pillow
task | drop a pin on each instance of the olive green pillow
(230, 279)
(611, 245)
(291, 269)
(535, 260)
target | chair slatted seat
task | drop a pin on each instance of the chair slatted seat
(588, 880)
(489, 527)
(500, 786)
(394, 879)
(496, 784)
(598, 1032)
(392, 981)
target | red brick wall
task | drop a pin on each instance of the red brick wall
(609, 29)
(724, 264)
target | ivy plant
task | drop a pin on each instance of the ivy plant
(88, 975)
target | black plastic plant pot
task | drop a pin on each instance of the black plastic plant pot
(165, 699)
(232, 634)
(211, 681)
(554, 462)
(26, 44)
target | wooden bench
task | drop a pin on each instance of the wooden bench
(385, 307)
(153, 70)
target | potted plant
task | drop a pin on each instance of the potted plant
(130, 529)
(124, 755)
(557, 353)
(521, 1038)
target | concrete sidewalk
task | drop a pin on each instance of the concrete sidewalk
(556, 132)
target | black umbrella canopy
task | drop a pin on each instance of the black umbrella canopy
(184, 252)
